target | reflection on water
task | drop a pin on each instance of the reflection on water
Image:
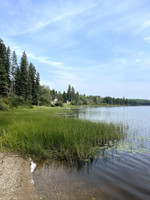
(122, 170)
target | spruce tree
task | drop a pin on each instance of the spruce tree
(37, 88)
(3, 54)
(64, 97)
(13, 71)
(17, 86)
(23, 75)
(3, 80)
(69, 93)
(8, 64)
(72, 94)
(31, 83)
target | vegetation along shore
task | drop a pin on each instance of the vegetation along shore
(44, 134)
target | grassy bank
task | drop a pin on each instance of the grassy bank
(44, 134)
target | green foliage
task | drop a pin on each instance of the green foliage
(3, 80)
(3, 105)
(119, 101)
(44, 134)
(14, 66)
(59, 103)
(17, 101)
(17, 86)
(44, 102)
(44, 95)
(23, 76)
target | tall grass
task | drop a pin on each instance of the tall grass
(43, 134)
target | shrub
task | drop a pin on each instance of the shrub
(59, 103)
(44, 102)
(3, 106)
(17, 101)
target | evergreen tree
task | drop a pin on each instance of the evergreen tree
(3, 54)
(14, 66)
(23, 75)
(37, 89)
(31, 88)
(53, 94)
(64, 97)
(3, 80)
(72, 94)
(17, 86)
(77, 98)
(69, 93)
(8, 64)
(29, 85)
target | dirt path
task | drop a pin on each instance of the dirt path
(15, 178)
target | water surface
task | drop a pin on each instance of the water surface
(121, 172)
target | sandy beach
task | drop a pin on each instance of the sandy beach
(15, 178)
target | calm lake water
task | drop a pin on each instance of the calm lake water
(120, 173)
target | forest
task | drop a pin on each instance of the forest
(20, 86)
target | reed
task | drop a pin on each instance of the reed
(45, 134)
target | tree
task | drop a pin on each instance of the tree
(17, 86)
(8, 64)
(13, 70)
(3, 80)
(64, 97)
(45, 95)
(69, 93)
(23, 75)
(31, 88)
(3, 53)
(53, 94)
(37, 89)
(77, 98)
(72, 94)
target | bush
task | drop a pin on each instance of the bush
(73, 103)
(59, 103)
(17, 101)
(44, 102)
(3, 106)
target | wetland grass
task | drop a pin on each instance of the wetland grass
(44, 134)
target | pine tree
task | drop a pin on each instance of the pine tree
(72, 94)
(37, 88)
(23, 75)
(14, 66)
(17, 86)
(64, 97)
(8, 64)
(3, 54)
(69, 93)
(77, 98)
(31, 83)
(3, 80)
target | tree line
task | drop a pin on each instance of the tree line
(20, 85)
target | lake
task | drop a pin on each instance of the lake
(122, 171)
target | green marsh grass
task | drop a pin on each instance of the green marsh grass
(45, 134)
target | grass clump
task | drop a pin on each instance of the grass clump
(44, 134)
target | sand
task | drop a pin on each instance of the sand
(16, 181)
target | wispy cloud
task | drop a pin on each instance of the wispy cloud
(97, 46)
(147, 39)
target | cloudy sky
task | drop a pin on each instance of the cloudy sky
(101, 47)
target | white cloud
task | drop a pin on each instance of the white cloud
(144, 25)
(138, 60)
(147, 39)
(141, 53)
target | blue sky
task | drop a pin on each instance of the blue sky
(101, 47)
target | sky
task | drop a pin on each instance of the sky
(100, 47)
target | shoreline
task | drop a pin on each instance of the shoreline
(16, 178)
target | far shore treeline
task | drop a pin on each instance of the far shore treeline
(20, 86)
